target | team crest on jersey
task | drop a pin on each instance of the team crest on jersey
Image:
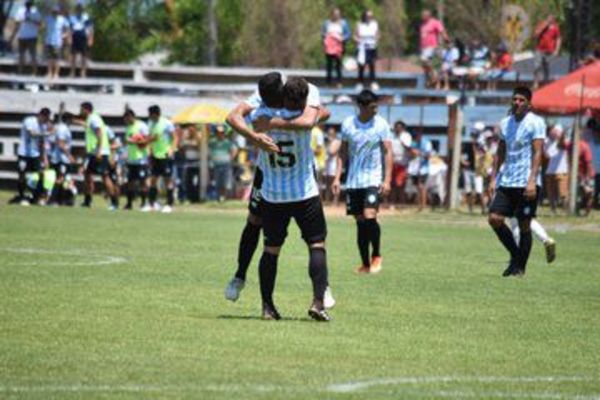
(371, 199)
(527, 210)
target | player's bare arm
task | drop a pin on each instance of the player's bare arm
(536, 160)
(310, 117)
(343, 155)
(236, 119)
(498, 161)
(388, 159)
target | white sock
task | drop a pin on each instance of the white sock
(514, 227)
(538, 231)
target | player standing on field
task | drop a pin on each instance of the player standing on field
(164, 141)
(522, 136)
(136, 138)
(367, 146)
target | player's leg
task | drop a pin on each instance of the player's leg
(355, 207)
(90, 170)
(21, 180)
(310, 218)
(370, 211)
(144, 185)
(502, 206)
(131, 185)
(549, 244)
(153, 191)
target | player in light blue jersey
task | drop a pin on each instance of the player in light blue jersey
(367, 149)
(290, 190)
(31, 153)
(518, 160)
(61, 158)
(269, 95)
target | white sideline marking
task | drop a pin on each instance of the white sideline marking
(515, 395)
(417, 380)
(98, 259)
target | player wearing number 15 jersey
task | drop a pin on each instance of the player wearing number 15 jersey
(289, 190)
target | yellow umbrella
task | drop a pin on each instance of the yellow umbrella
(201, 114)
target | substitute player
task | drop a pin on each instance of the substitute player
(61, 158)
(164, 141)
(522, 136)
(367, 147)
(269, 95)
(137, 137)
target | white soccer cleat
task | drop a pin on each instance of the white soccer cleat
(328, 300)
(374, 86)
(112, 208)
(156, 207)
(146, 208)
(167, 209)
(24, 202)
(233, 289)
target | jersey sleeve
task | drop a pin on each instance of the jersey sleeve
(32, 126)
(260, 112)
(314, 96)
(343, 135)
(95, 122)
(144, 129)
(254, 101)
(540, 130)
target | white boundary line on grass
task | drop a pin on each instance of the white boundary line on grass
(350, 387)
(97, 259)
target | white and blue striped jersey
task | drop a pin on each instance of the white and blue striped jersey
(365, 150)
(57, 155)
(313, 99)
(518, 137)
(32, 133)
(289, 175)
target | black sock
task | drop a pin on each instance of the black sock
(267, 273)
(55, 194)
(362, 239)
(525, 242)
(506, 238)
(114, 200)
(144, 195)
(21, 185)
(87, 200)
(374, 236)
(246, 249)
(170, 197)
(153, 195)
(317, 270)
(130, 197)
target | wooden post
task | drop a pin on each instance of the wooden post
(575, 153)
(455, 124)
(203, 162)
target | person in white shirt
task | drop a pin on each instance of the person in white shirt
(27, 25)
(401, 142)
(557, 171)
(57, 30)
(366, 37)
(82, 38)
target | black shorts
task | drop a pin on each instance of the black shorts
(136, 172)
(62, 169)
(28, 164)
(510, 202)
(113, 173)
(95, 166)
(79, 43)
(418, 179)
(255, 195)
(359, 199)
(308, 214)
(161, 167)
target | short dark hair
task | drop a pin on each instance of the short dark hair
(154, 109)
(45, 112)
(401, 123)
(67, 117)
(295, 92)
(87, 106)
(366, 97)
(523, 91)
(270, 88)
(129, 113)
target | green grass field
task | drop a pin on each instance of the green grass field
(130, 305)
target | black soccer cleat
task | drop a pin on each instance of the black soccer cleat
(319, 314)
(270, 313)
(513, 270)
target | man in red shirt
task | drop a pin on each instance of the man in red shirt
(430, 32)
(548, 41)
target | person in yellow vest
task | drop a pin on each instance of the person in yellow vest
(164, 140)
(97, 151)
(137, 137)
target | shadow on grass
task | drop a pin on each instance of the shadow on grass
(259, 318)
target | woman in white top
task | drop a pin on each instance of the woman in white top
(366, 37)
(333, 145)
(557, 171)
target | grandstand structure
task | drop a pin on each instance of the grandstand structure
(112, 87)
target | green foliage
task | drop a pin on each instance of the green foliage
(115, 38)
(189, 45)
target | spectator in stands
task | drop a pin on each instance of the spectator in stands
(401, 145)
(547, 44)
(418, 167)
(335, 32)
(592, 136)
(585, 177)
(27, 24)
(556, 178)
(484, 159)
(57, 30)
(332, 144)
(82, 38)
(222, 152)
(467, 164)
(450, 59)
(366, 37)
(479, 61)
(431, 30)
(501, 65)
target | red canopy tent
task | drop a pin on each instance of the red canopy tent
(572, 94)
(578, 91)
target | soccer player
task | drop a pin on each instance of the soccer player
(522, 136)
(98, 149)
(137, 137)
(269, 95)
(61, 158)
(540, 234)
(290, 190)
(31, 153)
(367, 147)
(164, 141)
